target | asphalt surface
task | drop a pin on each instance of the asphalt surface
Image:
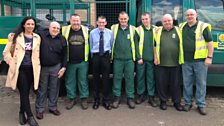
(142, 115)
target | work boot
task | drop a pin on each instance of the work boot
(187, 108)
(140, 99)
(152, 101)
(84, 103)
(116, 102)
(70, 103)
(202, 111)
(131, 103)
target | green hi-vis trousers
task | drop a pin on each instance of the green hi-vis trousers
(77, 74)
(145, 77)
(126, 68)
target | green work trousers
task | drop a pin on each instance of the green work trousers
(145, 78)
(126, 68)
(77, 74)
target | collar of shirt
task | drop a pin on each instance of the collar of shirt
(49, 35)
(193, 25)
(147, 28)
(167, 30)
(100, 31)
(122, 28)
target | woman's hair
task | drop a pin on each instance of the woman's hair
(21, 27)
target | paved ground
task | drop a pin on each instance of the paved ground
(142, 115)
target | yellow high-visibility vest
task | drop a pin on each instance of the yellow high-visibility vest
(158, 33)
(114, 28)
(141, 33)
(65, 33)
(201, 46)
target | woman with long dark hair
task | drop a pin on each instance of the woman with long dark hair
(22, 55)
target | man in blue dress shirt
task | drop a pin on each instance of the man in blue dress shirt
(101, 40)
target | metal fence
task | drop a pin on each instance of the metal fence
(111, 10)
(61, 10)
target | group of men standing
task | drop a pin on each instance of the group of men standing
(161, 50)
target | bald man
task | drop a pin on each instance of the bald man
(53, 58)
(198, 52)
(167, 58)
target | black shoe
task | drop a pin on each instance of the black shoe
(31, 121)
(202, 111)
(39, 115)
(152, 101)
(116, 102)
(107, 106)
(187, 108)
(178, 107)
(70, 103)
(131, 103)
(84, 104)
(96, 104)
(140, 99)
(163, 106)
(55, 112)
(22, 118)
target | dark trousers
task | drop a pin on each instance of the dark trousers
(24, 82)
(167, 80)
(48, 88)
(101, 65)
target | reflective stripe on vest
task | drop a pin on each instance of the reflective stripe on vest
(158, 33)
(114, 28)
(65, 33)
(141, 33)
(201, 46)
